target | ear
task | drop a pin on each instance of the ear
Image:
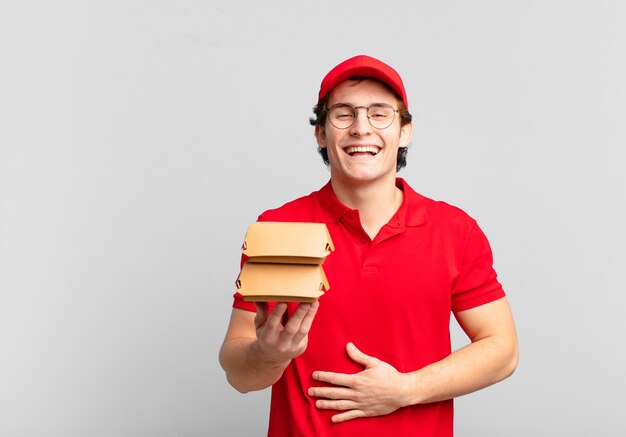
(406, 134)
(320, 136)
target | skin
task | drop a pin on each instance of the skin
(258, 348)
(380, 389)
(363, 181)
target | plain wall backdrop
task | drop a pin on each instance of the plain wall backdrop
(138, 139)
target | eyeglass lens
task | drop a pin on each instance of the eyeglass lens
(343, 115)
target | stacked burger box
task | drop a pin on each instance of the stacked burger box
(284, 262)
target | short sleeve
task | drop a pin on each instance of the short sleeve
(476, 283)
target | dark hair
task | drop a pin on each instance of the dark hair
(319, 121)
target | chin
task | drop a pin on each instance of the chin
(360, 178)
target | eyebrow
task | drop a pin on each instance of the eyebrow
(360, 106)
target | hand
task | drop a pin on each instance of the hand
(280, 343)
(377, 390)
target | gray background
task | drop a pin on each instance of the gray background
(139, 138)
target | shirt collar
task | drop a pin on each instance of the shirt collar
(412, 211)
(332, 207)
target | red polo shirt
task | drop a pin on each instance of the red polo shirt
(392, 297)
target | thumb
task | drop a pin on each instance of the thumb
(359, 357)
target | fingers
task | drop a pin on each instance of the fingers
(268, 330)
(348, 415)
(338, 399)
(338, 379)
(372, 392)
(262, 309)
(303, 320)
(276, 316)
(334, 393)
(337, 405)
(359, 357)
(281, 337)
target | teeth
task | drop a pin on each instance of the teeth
(362, 149)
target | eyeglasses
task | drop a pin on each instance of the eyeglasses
(343, 115)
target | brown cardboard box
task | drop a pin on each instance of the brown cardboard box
(284, 262)
(287, 242)
(281, 282)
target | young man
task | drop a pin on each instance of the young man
(373, 356)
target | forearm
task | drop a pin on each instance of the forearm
(258, 348)
(469, 369)
(246, 367)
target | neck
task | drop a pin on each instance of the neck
(377, 202)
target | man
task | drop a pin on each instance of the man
(373, 356)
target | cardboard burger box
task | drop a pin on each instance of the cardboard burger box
(284, 262)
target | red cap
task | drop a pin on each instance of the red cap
(364, 66)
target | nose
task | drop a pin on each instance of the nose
(361, 125)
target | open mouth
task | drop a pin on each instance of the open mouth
(362, 150)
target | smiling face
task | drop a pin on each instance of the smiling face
(362, 154)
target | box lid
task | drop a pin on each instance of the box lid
(281, 282)
(287, 242)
